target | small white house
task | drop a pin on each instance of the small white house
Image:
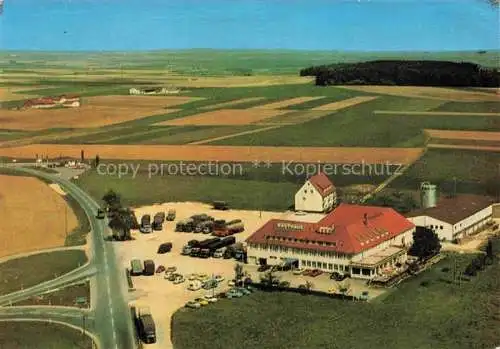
(318, 194)
(455, 217)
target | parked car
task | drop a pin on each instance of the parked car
(224, 295)
(193, 305)
(302, 287)
(298, 271)
(338, 276)
(219, 278)
(194, 286)
(250, 288)
(179, 280)
(192, 277)
(243, 290)
(210, 298)
(307, 272)
(171, 269)
(315, 272)
(332, 290)
(263, 268)
(364, 296)
(160, 269)
(208, 285)
(235, 293)
(164, 248)
(172, 277)
(231, 283)
(202, 301)
(203, 277)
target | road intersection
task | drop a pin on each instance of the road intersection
(109, 315)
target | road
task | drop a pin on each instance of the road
(113, 323)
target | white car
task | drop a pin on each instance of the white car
(298, 271)
(219, 278)
(194, 286)
(210, 298)
(230, 283)
(192, 277)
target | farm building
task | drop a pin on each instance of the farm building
(318, 194)
(364, 241)
(154, 91)
(455, 217)
(51, 102)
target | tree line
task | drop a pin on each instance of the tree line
(409, 73)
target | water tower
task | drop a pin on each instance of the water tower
(428, 195)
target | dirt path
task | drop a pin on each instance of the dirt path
(434, 113)
(234, 135)
(465, 147)
(469, 135)
(344, 155)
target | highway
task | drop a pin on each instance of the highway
(112, 322)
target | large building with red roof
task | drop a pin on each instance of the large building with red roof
(363, 241)
(318, 194)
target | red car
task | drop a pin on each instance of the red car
(160, 269)
(315, 272)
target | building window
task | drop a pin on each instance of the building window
(308, 263)
(303, 263)
(346, 268)
(356, 270)
(304, 198)
(330, 266)
(324, 266)
(311, 191)
(313, 264)
(335, 267)
(366, 272)
(441, 227)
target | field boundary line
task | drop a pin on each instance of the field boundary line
(204, 141)
(433, 113)
(464, 147)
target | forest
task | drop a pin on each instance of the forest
(405, 73)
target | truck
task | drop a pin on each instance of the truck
(145, 224)
(149, 267)
(171, 215)
(145, 325)
(186, 225)
(196, 248)
(220, 205)
(209, 250)
(100, 214)
(158, 220)
(204, 227)
(136, 267)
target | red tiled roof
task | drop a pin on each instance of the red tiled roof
(348, 232)
(322, 184)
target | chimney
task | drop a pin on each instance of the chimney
(365, 219)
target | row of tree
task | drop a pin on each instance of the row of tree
(121, 219)
(409, 73)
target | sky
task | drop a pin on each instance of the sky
(354, 25)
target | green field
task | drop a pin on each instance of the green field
(64, 297)
(24, 272)
(217, 62)
(78, 236)
(37, 335)
(427, 311)
(473, 170)
(247, 188)
(477, 107)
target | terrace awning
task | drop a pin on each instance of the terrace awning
(289, 261)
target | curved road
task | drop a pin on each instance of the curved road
(112, 322)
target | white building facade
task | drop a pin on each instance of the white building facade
(316, 195)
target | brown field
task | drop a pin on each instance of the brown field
(31, 216)
(465, 147)
(232, 103)
(85, 116)
(224, 117)
(220, 153)
(468, 135)
(346, 103)
(13, 93)
(435, 113)
(439, 93)
(286, 103)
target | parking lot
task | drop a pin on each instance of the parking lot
(163, 297)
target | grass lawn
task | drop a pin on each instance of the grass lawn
(29, 271)
(37, 335)
(64, 297)
(427, 311)
(477, 107)
(472, 170)
(247, 188)
(78, 236)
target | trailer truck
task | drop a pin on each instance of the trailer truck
(149, 267)
(145, 325)
(186, 225)
(196, 249)
(145, 224)
(171, 215)
(136, 267)
(158, 220)
(209, 250)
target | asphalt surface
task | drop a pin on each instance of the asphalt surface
(110, 314)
